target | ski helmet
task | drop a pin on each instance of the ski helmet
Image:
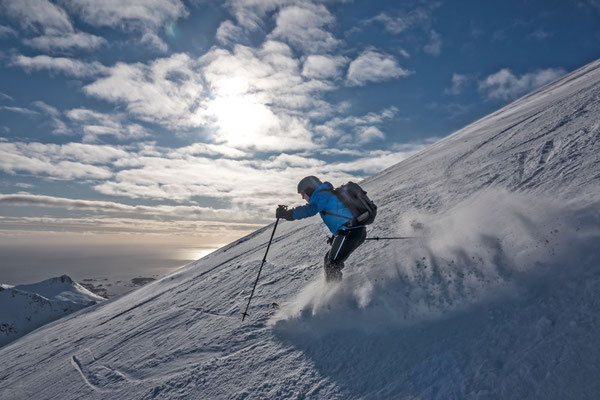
(308, 185)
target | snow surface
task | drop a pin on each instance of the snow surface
(497, 297)
(24, 308)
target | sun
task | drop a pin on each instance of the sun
(241, 118)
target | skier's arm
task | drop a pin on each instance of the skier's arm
(305, 211)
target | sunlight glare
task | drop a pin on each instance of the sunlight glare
(195, 254)
(241, 120)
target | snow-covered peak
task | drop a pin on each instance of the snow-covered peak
(61, 288)
(24, 308)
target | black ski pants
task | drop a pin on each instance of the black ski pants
(344, 243)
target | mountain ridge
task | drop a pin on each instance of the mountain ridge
(25, 308)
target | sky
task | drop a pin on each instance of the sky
(168, 127)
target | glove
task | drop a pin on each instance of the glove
(283, 212)
(330, 240)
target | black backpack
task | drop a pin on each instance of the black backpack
(355, 199)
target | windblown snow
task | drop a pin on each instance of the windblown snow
(495, 297)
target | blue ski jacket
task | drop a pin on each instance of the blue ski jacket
(324, 201)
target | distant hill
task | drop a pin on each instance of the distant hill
(24, 308)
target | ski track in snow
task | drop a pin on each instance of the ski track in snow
(98, 376)
(496, 297)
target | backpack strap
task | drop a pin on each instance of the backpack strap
(336, 215)
(332, 191)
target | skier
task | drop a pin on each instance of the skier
(321, 199)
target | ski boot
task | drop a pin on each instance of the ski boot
(333, 271)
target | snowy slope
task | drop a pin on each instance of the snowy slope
(497, 297)
(24, 308)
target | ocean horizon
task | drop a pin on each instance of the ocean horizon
(37, 262)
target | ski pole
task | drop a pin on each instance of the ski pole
(259, 270)
(393, 238)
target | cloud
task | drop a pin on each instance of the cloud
(20, 110)
(4, 96)
(459, 82)
(323, 66)
(57, 124)
(230, 33)
(144, 16)
(64, 162)
(94, 124)
(256, 106)
(147, 13)
(152, 40)
(38, 15)
(180, 211)
(505, 85)
(208, 150)
(66, 66)
(151, 172)
(404, 21)
(65, 170)
(540, 34)
(367, 119)
(303, 26)
(260, 99)
(270, 72)
(167, 91)
(398, 22)
(246, 122)
(249, 184)
(128, 229)
(52, 22)
(284, 161)
(46, 108)
(217, 174)
(250, 14)
(65, 41)
(26, 199)
(6, 31)
(374, 66)
(364, 128)
(181, 178)
(248, 97)
(434, 47)
(368, 134)
(43, 109)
